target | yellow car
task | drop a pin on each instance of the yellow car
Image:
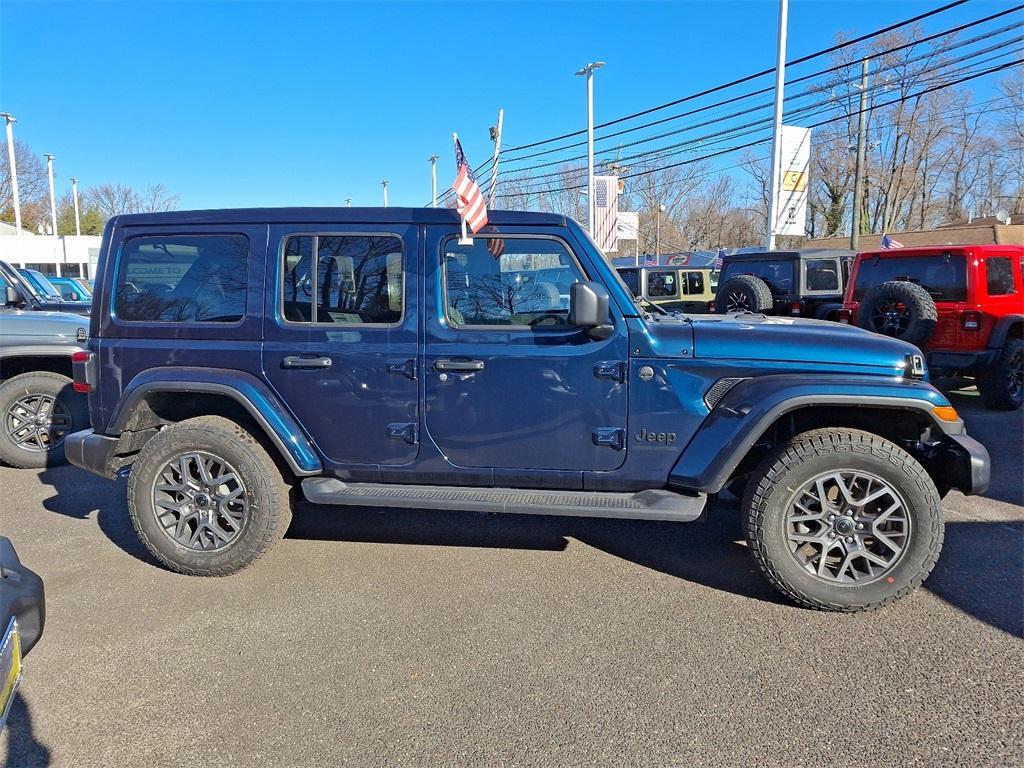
(673, 287)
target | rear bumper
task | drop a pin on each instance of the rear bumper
(966, 362)
(968, 465)
(21, 597)
(92, 452)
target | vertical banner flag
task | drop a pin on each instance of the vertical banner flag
(791, 195)
(468, 200)
(606, 213)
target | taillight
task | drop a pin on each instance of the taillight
(82, 368)
(796, 307)
(970, 320)
(844, 316)
(711, 306)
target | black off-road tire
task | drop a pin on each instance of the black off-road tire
(1002, 387)
(751, 291)
(774, 484)
(269, 511)
(921, 315)
(73, 405)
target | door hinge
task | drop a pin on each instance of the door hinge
(400, 431)
(613, 437)
(406, 368)
(615, 371)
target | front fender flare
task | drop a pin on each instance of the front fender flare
(751, 407)
(245, 389)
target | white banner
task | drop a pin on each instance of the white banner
(791, 195)
(628, 225)
(606, 212)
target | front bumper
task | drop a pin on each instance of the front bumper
(21, 596)
(968, 465)
(93, 452)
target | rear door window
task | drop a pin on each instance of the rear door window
(944, 276)
(693, 283)
(182, 278)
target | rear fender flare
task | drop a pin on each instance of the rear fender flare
(1002, 330)
(245, 389)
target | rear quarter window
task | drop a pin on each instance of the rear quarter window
(182, 279)
(999, 275)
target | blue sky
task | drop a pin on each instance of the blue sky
(235, 104)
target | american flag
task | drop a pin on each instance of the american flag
(888, 243)
(719, 261)
(468, 199)
(495, 246)
(650, 261)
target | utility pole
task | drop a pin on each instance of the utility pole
(53, 200)
(858, 184)
(657, 229)
(74, 197)
(433, 180)
(384, 183)
(780, 84)
(11, 120)
(588, 72)
(496, 138)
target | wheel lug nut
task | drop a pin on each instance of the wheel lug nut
(849, 539)
(831, 534)
(860, 526)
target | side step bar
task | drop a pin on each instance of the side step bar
(643, 505)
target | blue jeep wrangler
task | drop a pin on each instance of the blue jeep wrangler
(369, 357)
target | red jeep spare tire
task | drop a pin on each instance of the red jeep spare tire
(899, 309)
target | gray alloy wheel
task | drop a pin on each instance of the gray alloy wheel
(847, 527)
(37, 422)
(200, 501)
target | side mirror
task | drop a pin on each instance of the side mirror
(12, 296)
(588, 308)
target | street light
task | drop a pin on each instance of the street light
(11, 120)
(74, 196)
(384, 183)
(53, 200)
(433, 180)
(348, 202)
(588, 72)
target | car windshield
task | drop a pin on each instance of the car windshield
(944, 276)
(43, 286)
(778, 274)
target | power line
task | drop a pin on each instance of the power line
(762, 73)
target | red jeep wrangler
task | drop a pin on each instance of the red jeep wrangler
(963, 305)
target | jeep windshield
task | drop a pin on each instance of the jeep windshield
(944, 276)
(777, 273)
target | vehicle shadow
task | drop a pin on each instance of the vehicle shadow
(79, 494)
(23, 748)
(707, 552)
(1002, 433)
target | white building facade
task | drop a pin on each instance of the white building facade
(64, 255)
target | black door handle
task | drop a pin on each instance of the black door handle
(458, 365)
(297, 361)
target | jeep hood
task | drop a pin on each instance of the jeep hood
(795, 340)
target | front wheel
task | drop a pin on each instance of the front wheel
(843, 520)
(205, 497)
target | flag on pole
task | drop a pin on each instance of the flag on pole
(495, 247)
(888, 243)
(650, 261)
(719, 261)
(468, 200)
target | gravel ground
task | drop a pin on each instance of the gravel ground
(418, 638)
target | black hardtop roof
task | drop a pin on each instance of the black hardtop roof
(804, 253)
(335, 216)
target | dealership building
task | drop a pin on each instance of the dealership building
(63, 255)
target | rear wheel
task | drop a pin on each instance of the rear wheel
(1002, 387)
(843, 520)
(37, 411)
(205, 497)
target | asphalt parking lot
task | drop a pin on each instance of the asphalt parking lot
(415, 638)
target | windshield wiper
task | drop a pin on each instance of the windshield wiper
(642, 302)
